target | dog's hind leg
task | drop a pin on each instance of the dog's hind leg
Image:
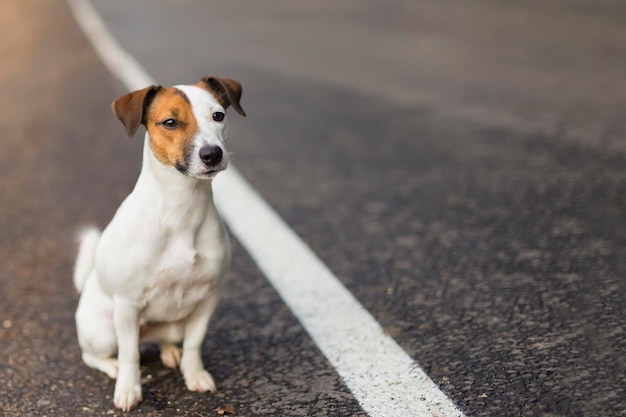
(106, 365)
(167, 335)
(94, 325)
(170, 355)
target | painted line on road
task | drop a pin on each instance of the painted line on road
(381, 376)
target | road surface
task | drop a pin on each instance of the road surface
(459, 166)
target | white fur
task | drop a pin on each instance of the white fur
(88, 238)
(155, 269)
(210, 132)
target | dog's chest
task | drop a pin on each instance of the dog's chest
(184, 275)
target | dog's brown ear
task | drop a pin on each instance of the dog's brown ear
(131, 108)
(226, 90)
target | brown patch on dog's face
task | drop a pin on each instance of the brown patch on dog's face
(171, 125)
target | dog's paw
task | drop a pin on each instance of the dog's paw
(111, 369)
(107, 365)
(127, 397)
(200, 381)
(170, 355)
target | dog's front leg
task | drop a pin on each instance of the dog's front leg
(196, 377)
(128, 385)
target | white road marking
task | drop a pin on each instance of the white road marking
(381, 376)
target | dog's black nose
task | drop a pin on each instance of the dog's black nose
(211, 154)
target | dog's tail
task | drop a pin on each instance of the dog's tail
(88, 238)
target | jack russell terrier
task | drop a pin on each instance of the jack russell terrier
(153, 275)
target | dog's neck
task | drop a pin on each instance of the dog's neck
(185, 198)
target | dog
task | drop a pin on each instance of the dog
(153, 274)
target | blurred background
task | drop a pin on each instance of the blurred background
(459, 165)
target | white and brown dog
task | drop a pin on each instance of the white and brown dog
(153, 275)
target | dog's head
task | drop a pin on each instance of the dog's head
(187, 124)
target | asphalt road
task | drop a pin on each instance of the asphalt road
(460, 166)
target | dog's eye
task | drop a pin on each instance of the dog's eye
(169, 124)
(218, 116)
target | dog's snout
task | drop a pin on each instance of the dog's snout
(211, 154)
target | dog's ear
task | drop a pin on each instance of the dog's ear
(131, 108)
(226, 90)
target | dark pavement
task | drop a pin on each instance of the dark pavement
(66, 161)
(460, 167)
